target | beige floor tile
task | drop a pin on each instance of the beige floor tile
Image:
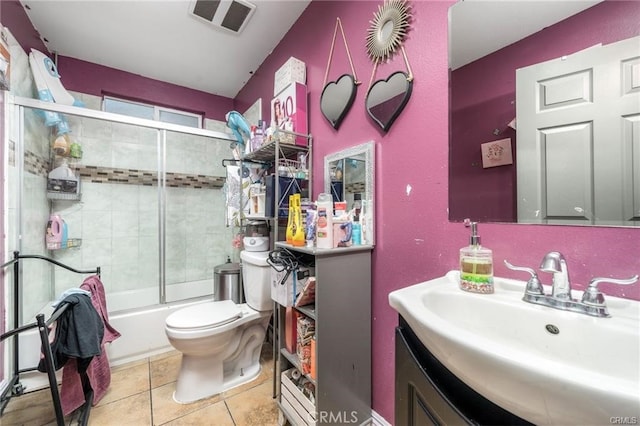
(126, 382)
(162, 355)
(254, 407)
(166, 409)
(134, 411)
(165, 370)
(29, 409)
(266, 375)
(216, 414)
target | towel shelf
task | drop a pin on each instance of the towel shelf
(15, 388)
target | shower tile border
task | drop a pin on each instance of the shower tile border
(96, 174)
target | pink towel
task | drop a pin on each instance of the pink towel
(99, 371)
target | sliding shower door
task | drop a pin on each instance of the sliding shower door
(196, 239)
(149, 212)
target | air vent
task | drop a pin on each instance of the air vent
(230, 15)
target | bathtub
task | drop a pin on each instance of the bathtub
(142, 329)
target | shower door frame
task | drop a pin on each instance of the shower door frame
(161, 128)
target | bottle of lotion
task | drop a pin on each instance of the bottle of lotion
(324, 225)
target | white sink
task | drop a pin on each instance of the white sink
(499, 345)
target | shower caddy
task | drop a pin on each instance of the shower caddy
(15, 388)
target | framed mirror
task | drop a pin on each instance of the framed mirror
(387, 98)
(388, 29)
(493, 44)
(337, 98)
(349, 175)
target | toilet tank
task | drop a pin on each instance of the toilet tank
(256, 279)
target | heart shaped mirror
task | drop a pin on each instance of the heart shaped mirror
(337, 98)
(387, 98)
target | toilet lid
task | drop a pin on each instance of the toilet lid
(210, 314)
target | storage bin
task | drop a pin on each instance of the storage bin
(288, 186)
(298, 406)
(292, 71)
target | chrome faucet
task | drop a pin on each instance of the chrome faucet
(555, 263)
(592, 302)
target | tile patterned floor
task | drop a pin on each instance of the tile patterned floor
(141, 394)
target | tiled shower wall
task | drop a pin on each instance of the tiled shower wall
(36, 286)
(117, 217)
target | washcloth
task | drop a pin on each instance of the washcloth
(72, 393)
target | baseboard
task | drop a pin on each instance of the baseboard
(378, 420)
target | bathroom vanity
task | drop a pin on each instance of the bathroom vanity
(459, 353)
(429, 394)
(342, 316)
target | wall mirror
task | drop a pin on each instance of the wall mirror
(387, 98)
(337, 98)
(489, 41)
(349, 175)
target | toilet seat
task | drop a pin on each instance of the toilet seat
(205, 315)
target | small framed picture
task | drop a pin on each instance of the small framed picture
(496, 153)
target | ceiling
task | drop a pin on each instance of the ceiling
(484, 26)
(162, 40)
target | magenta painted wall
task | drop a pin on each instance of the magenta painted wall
(415, 240)
(93, 79)
(86, 77)
(483, 99)
(15, 18)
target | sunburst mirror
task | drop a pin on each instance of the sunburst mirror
(388, 29)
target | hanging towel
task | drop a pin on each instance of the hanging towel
(237, 192)
(72, 392)
(78, 333)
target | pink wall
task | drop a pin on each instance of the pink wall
(415, 240)
(15, 18)
(93, 79)
(483, 99)
(86, 77)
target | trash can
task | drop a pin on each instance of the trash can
(226, 283)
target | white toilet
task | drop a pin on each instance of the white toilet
(221, 341)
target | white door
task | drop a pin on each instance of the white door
(578, 137)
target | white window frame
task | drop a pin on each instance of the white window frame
(156, 109)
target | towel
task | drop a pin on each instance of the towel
(72, 392)
(237, 192)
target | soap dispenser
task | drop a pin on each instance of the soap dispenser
(476, 264)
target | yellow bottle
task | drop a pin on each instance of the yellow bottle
(297, 233)
(290, 221)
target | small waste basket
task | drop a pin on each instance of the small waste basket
(226, 283)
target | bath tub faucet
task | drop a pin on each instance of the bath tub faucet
(592, 303)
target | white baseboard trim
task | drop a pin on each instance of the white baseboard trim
(378, 420)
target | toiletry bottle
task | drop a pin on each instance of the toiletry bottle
(476, 264)
(356, 233)
(297, 234)
(324, 225)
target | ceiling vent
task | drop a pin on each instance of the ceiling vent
(231, 15)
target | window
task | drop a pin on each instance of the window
(151, 112)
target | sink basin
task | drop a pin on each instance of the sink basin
(547, 366)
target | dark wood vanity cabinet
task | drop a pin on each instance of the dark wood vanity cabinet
(426, 393)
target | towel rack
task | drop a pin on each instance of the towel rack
(15, 388)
